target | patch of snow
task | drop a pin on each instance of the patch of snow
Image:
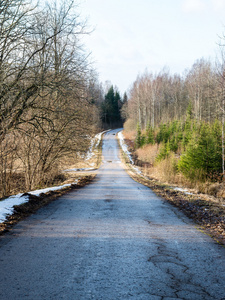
(182, 190)
(136, 169)
(124, 147)
(54, 188)
(94, 144)
(6, 205)
(78, 169)
(90, 153)
(127, 152)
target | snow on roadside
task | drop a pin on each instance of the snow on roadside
(127, 152)
(78, 169)
(6, 205)
(90, 153)
(94, 144)
(124, 147)
(185, 191)
(54, 188)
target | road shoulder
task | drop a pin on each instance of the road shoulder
(208, 215)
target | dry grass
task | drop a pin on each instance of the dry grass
(129, 135)
(17, 180)
(130, 125)
(78, 163)
(147, 153)
(166, 171)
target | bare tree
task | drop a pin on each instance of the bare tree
(44, 76)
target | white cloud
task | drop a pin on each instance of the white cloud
(193, 5)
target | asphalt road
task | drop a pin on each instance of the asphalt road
(113, 239)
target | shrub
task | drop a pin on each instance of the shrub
(203, 154)
(140, 139)
(164, 151)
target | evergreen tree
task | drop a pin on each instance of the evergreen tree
(190, 111)
(203, 154)
(140, 140)
(164, 133)
(173, 143)
(150, 138)
(116, 105)
(164, 151)
(110, 109)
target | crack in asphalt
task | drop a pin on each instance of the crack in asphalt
(169, 262)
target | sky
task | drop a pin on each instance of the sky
(131, 36)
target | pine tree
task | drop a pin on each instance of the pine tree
(173, 143)
(110, 108)
(116, 102)
(164, 152)
(150, 138)
(203, 155)
(140, 140)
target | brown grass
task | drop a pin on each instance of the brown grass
(130, 125)
(147, 153)
(129, 135)
(166, 171)
(78, 163)
(17, 181)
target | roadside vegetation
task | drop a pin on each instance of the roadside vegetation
(175, 127)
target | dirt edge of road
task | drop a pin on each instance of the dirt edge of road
(35, 202)
(208, 215)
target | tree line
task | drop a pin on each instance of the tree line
(184, 113)
(161, 97)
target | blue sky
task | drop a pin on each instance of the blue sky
(133, 35)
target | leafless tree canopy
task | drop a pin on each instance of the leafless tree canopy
(158, 98)
(47, 112)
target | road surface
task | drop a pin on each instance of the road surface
(113, 239)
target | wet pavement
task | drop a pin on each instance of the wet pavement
(113, 239)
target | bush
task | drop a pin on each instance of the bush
(203, 154)
(150, 136)
(140, 139)
(164, 151)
